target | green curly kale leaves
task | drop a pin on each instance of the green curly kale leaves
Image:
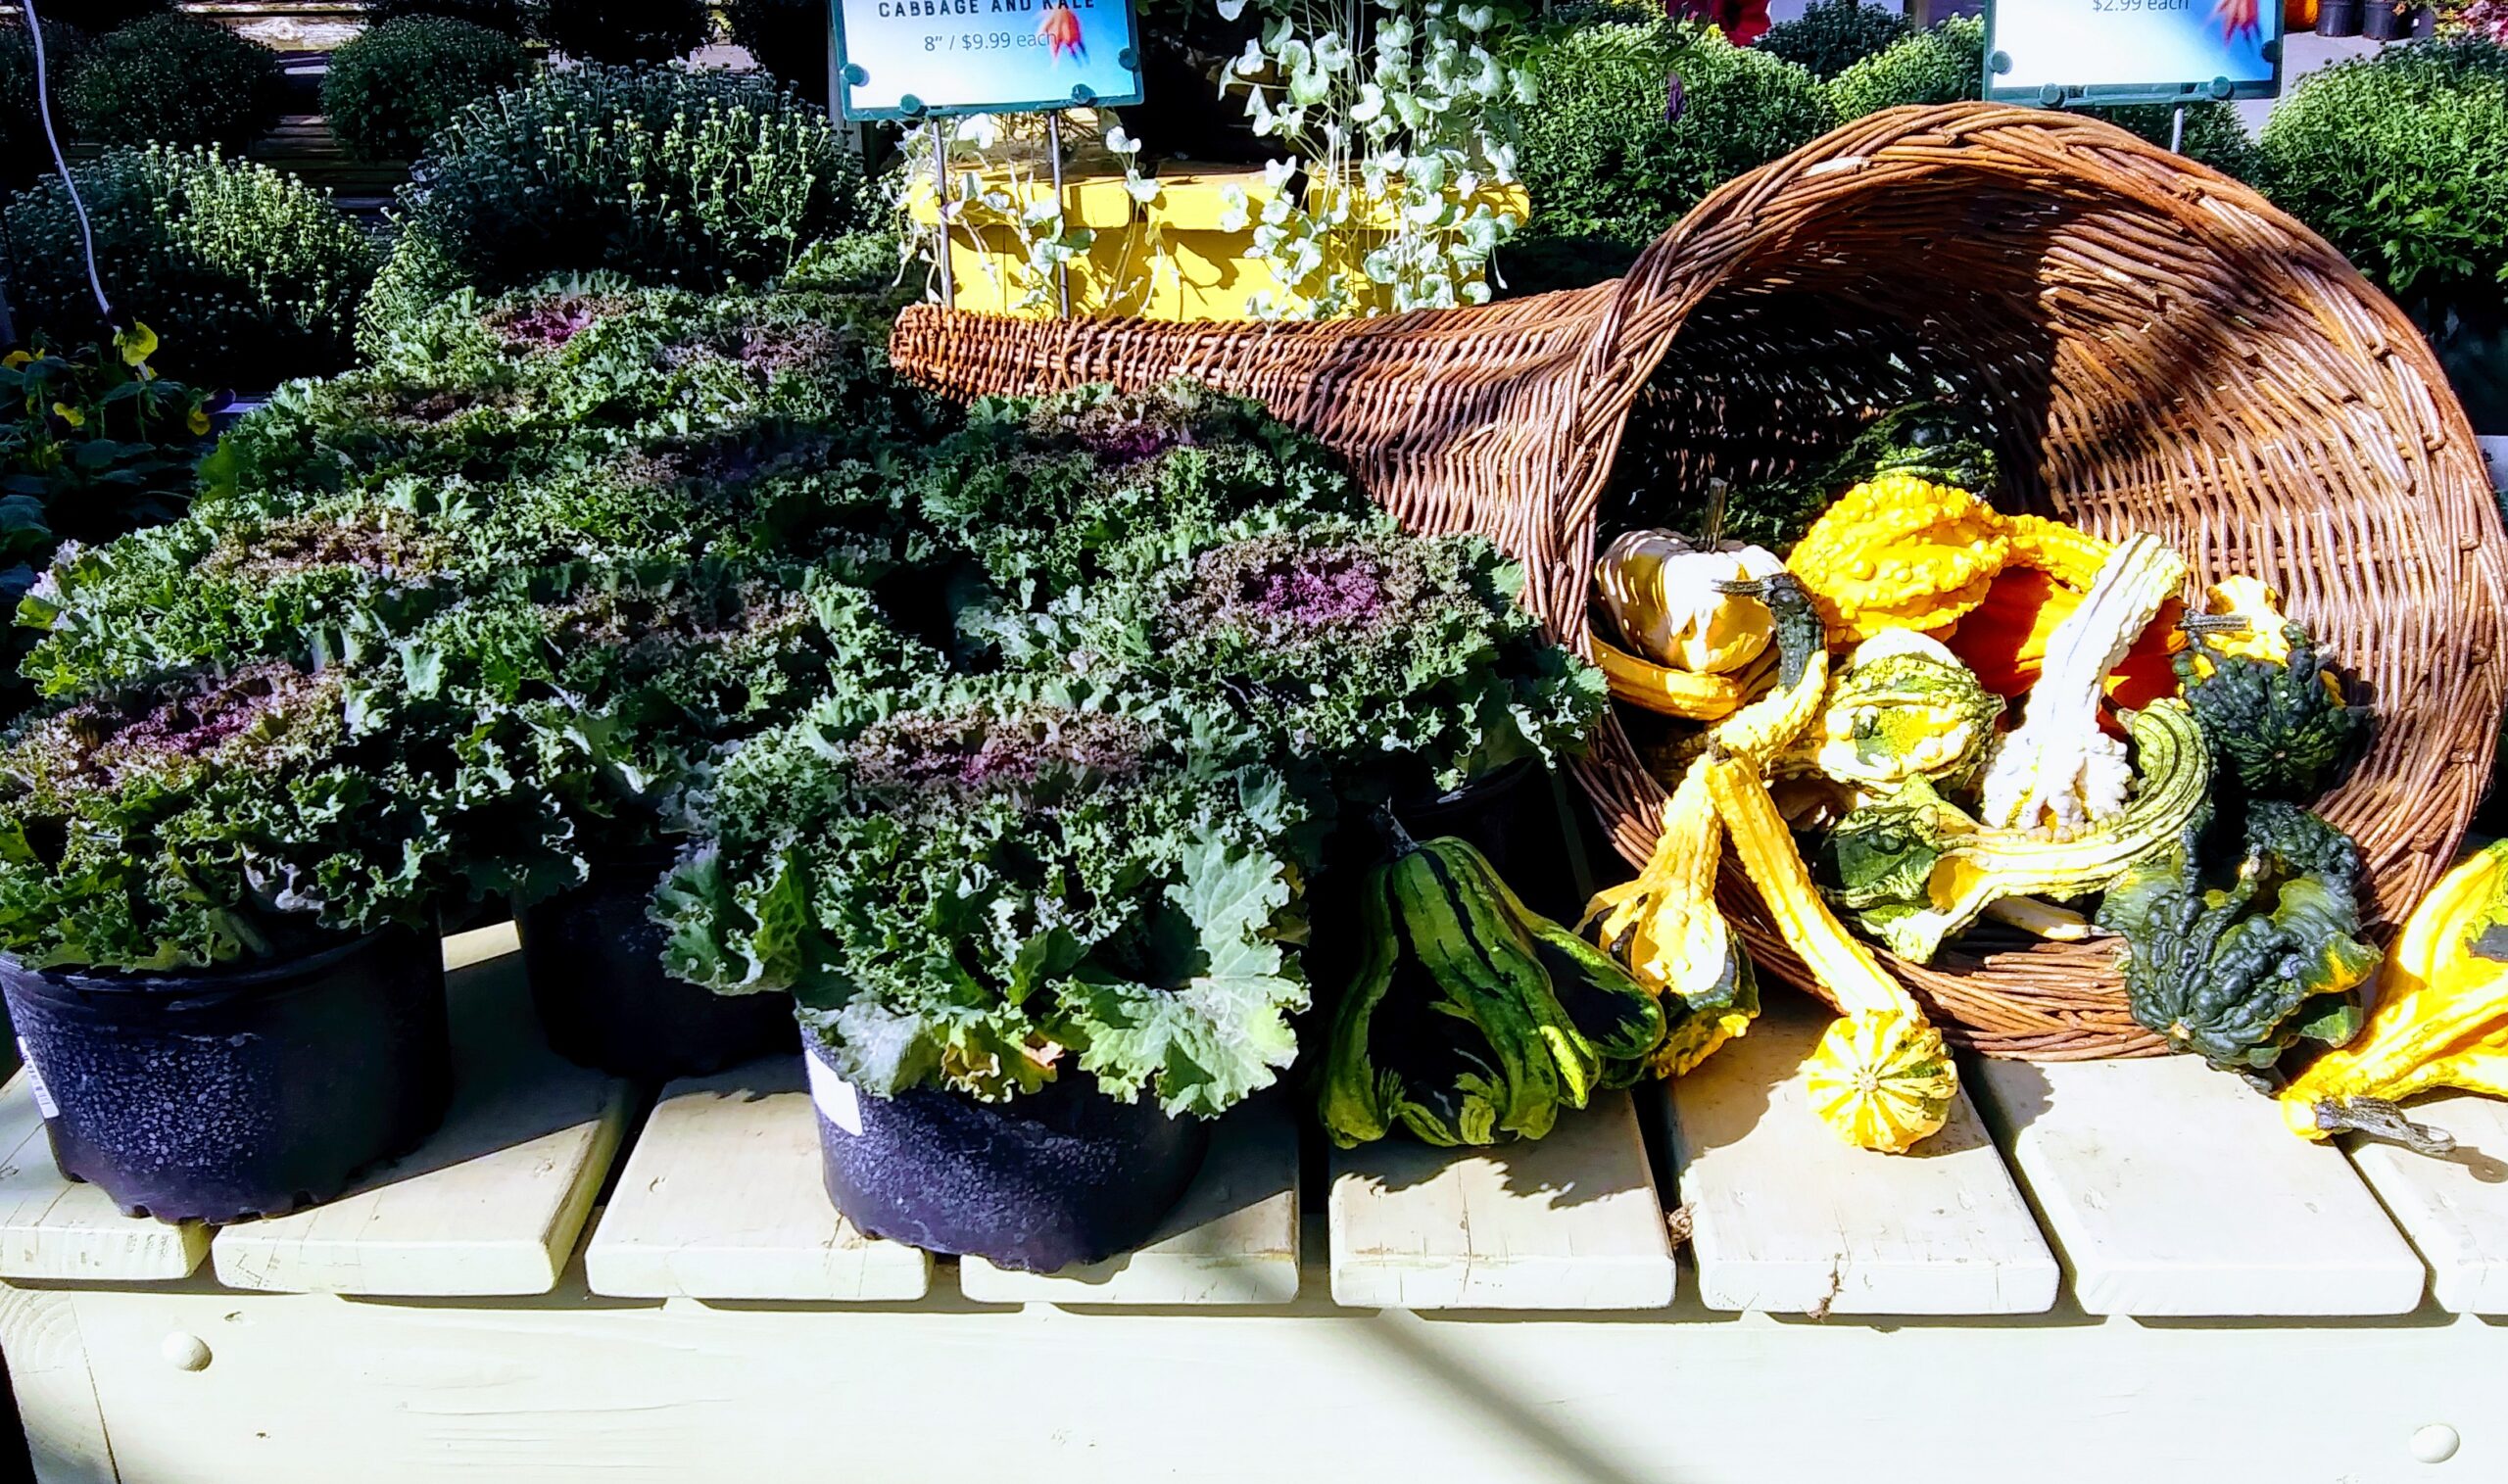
(994, 873)
(214, 816)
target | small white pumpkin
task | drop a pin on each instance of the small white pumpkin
(1661, 591)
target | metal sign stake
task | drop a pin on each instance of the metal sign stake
(941, 207)
(1053, 153)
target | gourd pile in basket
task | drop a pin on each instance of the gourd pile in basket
(1929, 719)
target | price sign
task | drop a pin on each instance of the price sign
(2072, 52)
(925, 58)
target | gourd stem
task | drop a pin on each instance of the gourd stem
(1394, 835)
(2214, 623)
(2378, 1118)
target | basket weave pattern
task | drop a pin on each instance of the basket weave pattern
(2162, 349)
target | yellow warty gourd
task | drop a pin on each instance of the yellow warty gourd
(1900, 552)
(2070, 556)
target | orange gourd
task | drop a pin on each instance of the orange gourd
(2149, 673)
(2004, 643)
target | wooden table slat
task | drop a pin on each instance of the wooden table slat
(494, 1202)
(53, 1228)
(2455, 1209)
(722, 1199)
(1231, 1239)
(1571, 1221)
(1787, 1217)
(2171, 1188)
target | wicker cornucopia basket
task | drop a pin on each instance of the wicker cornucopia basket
(2163, 349)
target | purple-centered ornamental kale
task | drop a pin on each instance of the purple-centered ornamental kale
(214, 816)
(540, 380)
(1061, 494)
(1331, 589)
(624, 688)
(1394, 662)
(252, 717)
(311, 588)
(988, 885)
(550, 320)
(964, 756)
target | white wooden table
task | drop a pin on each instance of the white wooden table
(2097, 1271)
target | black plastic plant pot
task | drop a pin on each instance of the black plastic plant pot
(217, 1096)
(1490, 812)
(1042, 1182)
(2382, 21)
(2338, 18)
(595, 958)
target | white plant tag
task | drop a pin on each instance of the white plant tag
(835, 1096)
(43, 1095)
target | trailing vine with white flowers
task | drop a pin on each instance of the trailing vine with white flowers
(1392, 118)
(1398, 114)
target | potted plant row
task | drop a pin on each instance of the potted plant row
(1003, 753)
(1043, 914)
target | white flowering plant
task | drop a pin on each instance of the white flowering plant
(1399, 113)
(1395, 119)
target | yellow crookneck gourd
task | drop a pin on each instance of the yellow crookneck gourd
(1665, 929)
(2440, 1017)
(1882, 1077)
(1665, 925)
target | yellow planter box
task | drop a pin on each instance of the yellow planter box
(1175, 259)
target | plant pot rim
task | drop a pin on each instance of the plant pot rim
(1079, 1084)
(1504, 775)
(238, 975)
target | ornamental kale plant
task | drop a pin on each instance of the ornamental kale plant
(1395, 662)
(1050, 495)
(316, 590)
(543, 380)
(222, 815)
(995, 884)
(630, 681)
